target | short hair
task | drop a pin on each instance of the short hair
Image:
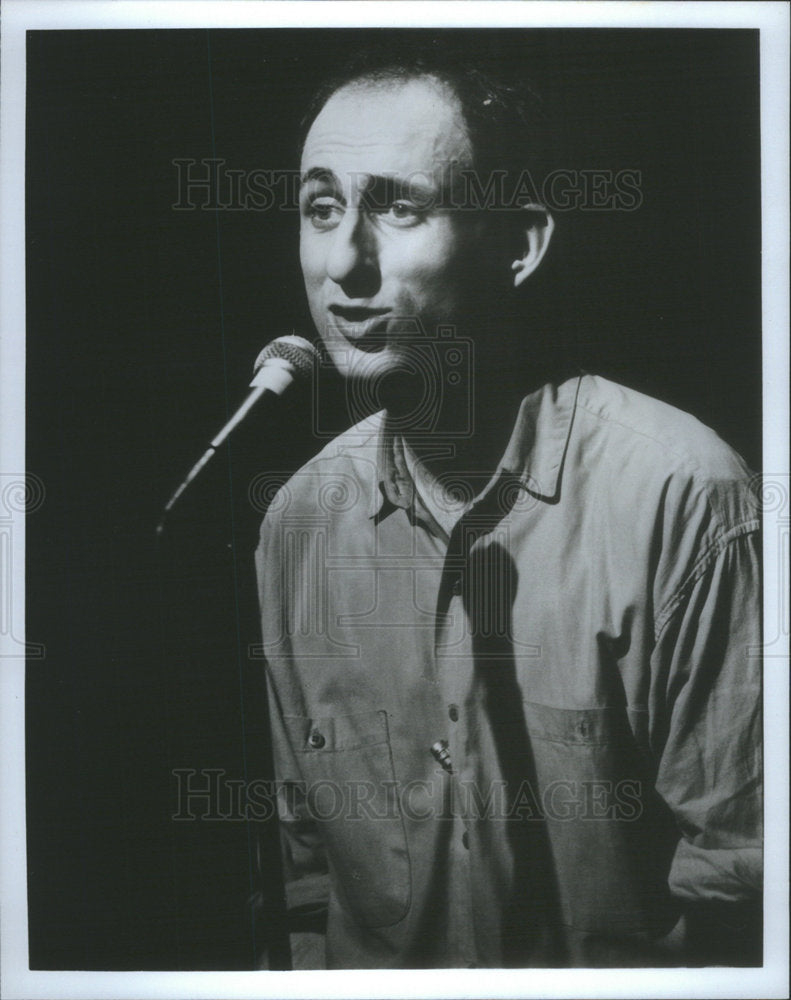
(505, 118)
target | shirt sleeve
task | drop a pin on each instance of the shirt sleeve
(707, 667)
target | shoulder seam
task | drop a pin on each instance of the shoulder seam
(686, 458)
(711, 553)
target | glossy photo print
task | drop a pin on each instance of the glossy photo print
(402, 528)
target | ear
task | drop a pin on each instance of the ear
(536, 230)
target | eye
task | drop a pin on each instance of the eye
(402, 214)
(323, 212)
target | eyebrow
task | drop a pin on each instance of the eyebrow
(376, 183)
(317, 174)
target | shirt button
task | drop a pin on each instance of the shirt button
(465, 839)
(316, 739)
(453, 713)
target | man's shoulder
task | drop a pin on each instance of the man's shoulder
(657, 432)
(653, 455)
(342, 475)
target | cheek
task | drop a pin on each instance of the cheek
(311, 260)
(434, 273)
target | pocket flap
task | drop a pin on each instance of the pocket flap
(329, 734)
(589, 726)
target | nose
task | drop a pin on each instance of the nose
(353, 260)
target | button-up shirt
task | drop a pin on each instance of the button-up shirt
(522, 737)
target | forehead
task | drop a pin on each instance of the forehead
(396, 127)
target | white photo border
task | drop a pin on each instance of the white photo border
(772, 19)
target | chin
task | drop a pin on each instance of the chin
(389, 374)
(394, 381)
(371, 362)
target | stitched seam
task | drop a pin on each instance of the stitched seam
(603, 741)
(325, 751)
(687, 459)
(715, 549)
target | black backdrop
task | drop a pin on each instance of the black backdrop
(143, 322)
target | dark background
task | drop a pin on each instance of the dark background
(143, 323)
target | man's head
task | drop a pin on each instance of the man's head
(392, 239)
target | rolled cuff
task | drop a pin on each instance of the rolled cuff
(726, 875)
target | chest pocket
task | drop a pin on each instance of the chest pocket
(352, 794)
(610, 835)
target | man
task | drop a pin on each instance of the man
(511, 622)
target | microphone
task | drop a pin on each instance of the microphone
(284, 361)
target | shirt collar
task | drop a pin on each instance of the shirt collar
(535, 451)
(540, 438)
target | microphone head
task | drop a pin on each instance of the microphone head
(301, 354)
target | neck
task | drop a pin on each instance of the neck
(469, 434)
(468, 426)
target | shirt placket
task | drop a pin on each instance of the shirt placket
(455, 664)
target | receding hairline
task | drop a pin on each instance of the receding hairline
(382, 82)
(391, 79)
(385, 83)
(502, 116)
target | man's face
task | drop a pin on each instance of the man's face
(378, 251)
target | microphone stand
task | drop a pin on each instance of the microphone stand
(272, 377)
(267, 898)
